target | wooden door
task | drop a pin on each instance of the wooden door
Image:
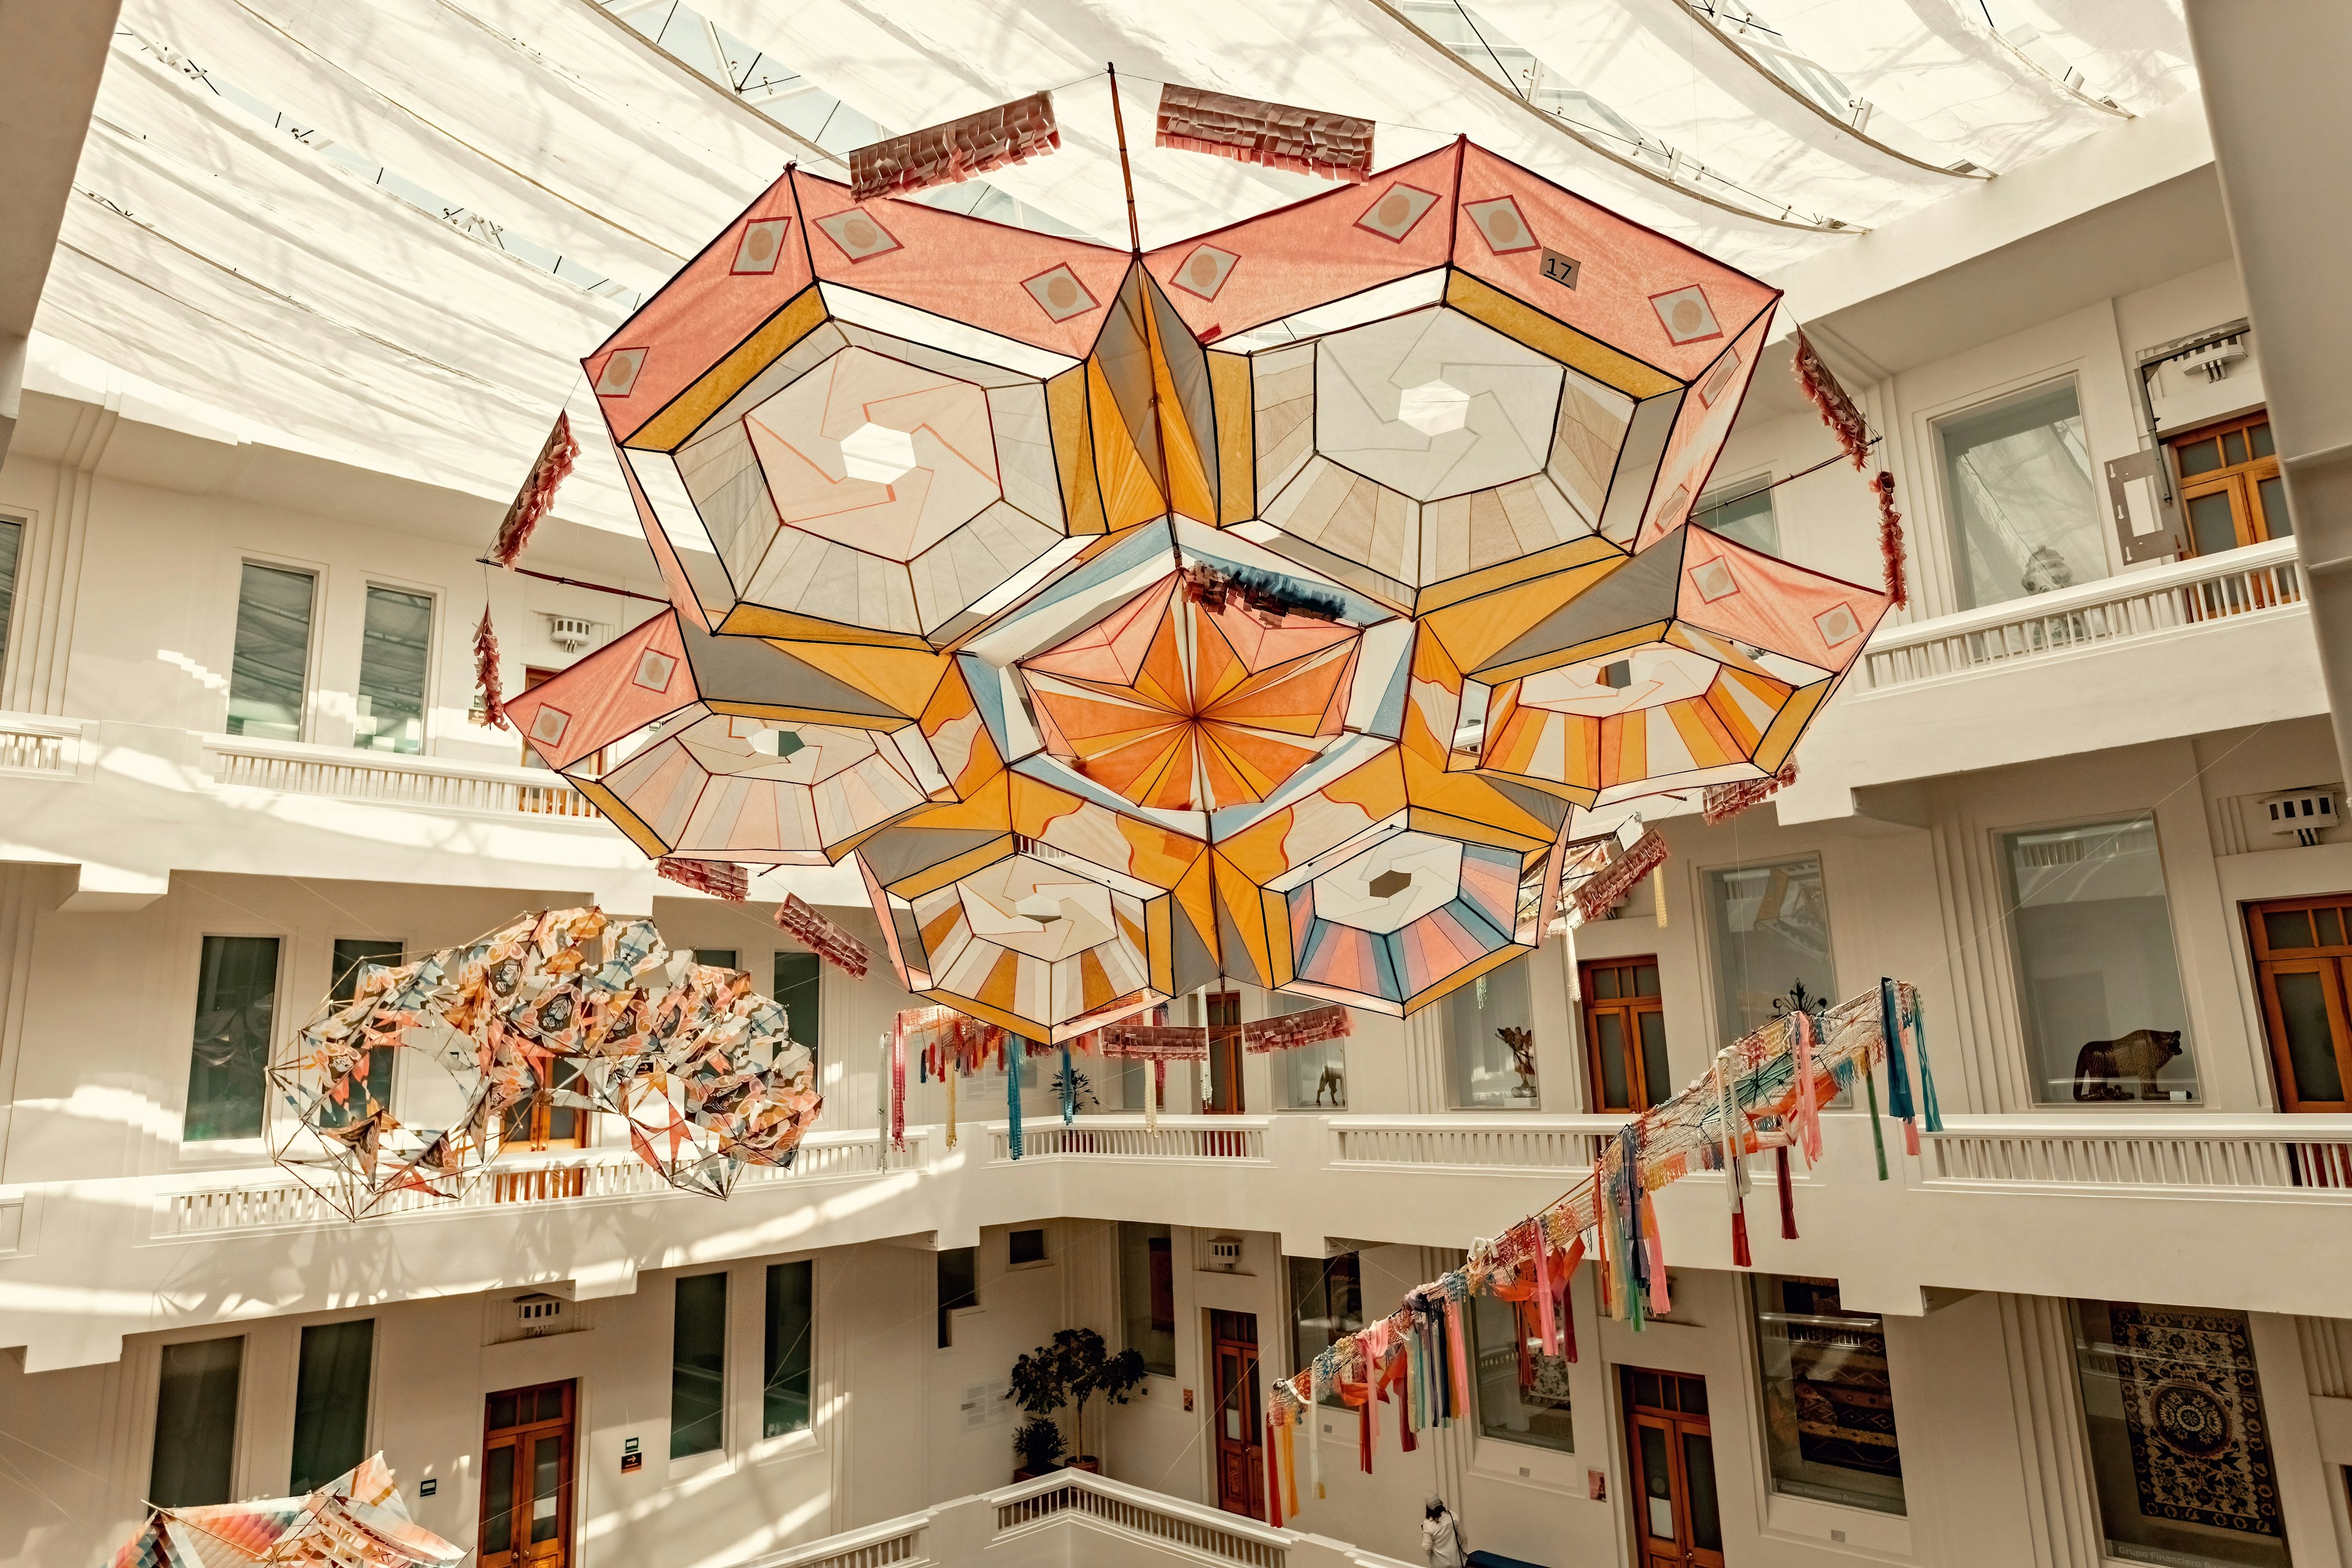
(527, 1451)
(1625, 1034)
(1239, 1420)
(1677, 1522)
(1224, 1021)
(2302, 949)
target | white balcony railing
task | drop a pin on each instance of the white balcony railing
(41, 746)
(1494, 1141)
(1122, 1137)
(294, 768)
(2135, 1152)
(2261, 579)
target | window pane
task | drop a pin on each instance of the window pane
(1522, 1392)
(2233, 447)
(1480, 1017)
(698, 1365)
(1741, 511)
(1024, 1247)
(1698, 1477)
(12, 543)
(2209, 523)
(1657, 1076)
(1604, 983)
(790, 1323)
(1309, 1077)
(1772, 928)
(959, 1286)
(1147, 1294)
(236, 991)
(1608, 1038)
(195, 1422)
(2261, 435)
(2310, 1039)
(2331, 928)
(2275, 515)
(272, 654)
(2287, 928)
(393, 648)
(547, 1485)
(497, 1513)
(2018, 479)
(1646, 980)
(331, 1402)
(1828, 1414)
(2179, 1446)
(1657, 1485)
(2097, 978)
(1327, 1302)
(798, 989)
(2200, 457)
(716, 957)
(371, 1079)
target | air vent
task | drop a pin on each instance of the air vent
(539, 1314)
(570, 633)
(2303, 815)
(1225, 1253)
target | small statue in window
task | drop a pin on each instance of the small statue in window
(1333, 1080)
(1523, 1059)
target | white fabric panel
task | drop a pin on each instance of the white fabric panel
(2134, 51)
(254, 276)
(463, 109)
(1660, 66)
(1933, 66)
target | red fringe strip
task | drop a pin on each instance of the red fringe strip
(821, 936)
(719, 879)
(1890, 539)
(485, 673)
(1278, 135)
(1291, 1030)
(1614, 882)
(537, 493)
(956, 150)
(1838, 412)
(1723, 802)
(1740, 1255)
(1788, 1194)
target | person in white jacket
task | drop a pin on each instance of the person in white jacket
(1441, 1535)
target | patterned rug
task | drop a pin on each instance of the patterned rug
(2193, 1408)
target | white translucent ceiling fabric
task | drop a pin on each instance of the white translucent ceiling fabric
(244, 270)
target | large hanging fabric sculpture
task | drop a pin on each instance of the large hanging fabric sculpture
(1258, 607)
(356, 1520)
(562, 1012)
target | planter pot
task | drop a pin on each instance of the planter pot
(1085, 1462)
(1021, 1474)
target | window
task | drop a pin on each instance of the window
(2180, 1452)
(1625, 1034)
(12, 545)
(1147, 1293)
(2097, 974)
(2231, 492)
(2301, 961)
(698, 1365)
(800, 989)
(959, 1287)
(2025, 516)
(1327, 1302)
(1311, 1077)
(394, 644)
(1522, 1392)
(791, 1324)
(538, 1121)
(331, 1402)
(236, 993)
(354, 954)
(1771, 931)
(195, 1422)
(1828, 1414)
(1024, 1247)
(716, 957)
(1490, 1041)
(271, 663)
(1742, 511)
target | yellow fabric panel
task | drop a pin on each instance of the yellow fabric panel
(1159, 857)
(1131, 495)
(794, 714)
(1789, 723)
(622, 817)
(1189, 489)
(1516, 319)
(1431, 666)
(1473, 629)
(1590, 551)
(906, 678)
(1706, 744)
(1238, 893)
(1457, 981)
(1196, 900)
(1158, 947)
(1474, 800)
(782, 626)
(936, 877)
(1229, 393)
(1379, 786)
(1632, 637)
(1066, 410)
(671, 428)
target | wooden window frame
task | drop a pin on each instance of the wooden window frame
(1628, 1009)
(2241, 482)
(2332, 962)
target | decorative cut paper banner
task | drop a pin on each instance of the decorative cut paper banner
(1725, 801)
(1156, 1042)
(1252, 131)
(356, 1520)
(796, 919)
(486, 672)
(1292, 1030)
(1622, 874)
(564, 1012)
(719, 879)
(1764, 1091)
(955, 151)
(537, 493)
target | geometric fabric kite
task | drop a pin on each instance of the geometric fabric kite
(1258, 607)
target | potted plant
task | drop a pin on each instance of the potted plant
(1039, 1443)
(1071, 1371)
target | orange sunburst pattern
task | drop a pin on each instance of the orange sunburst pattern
(1181, 701)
